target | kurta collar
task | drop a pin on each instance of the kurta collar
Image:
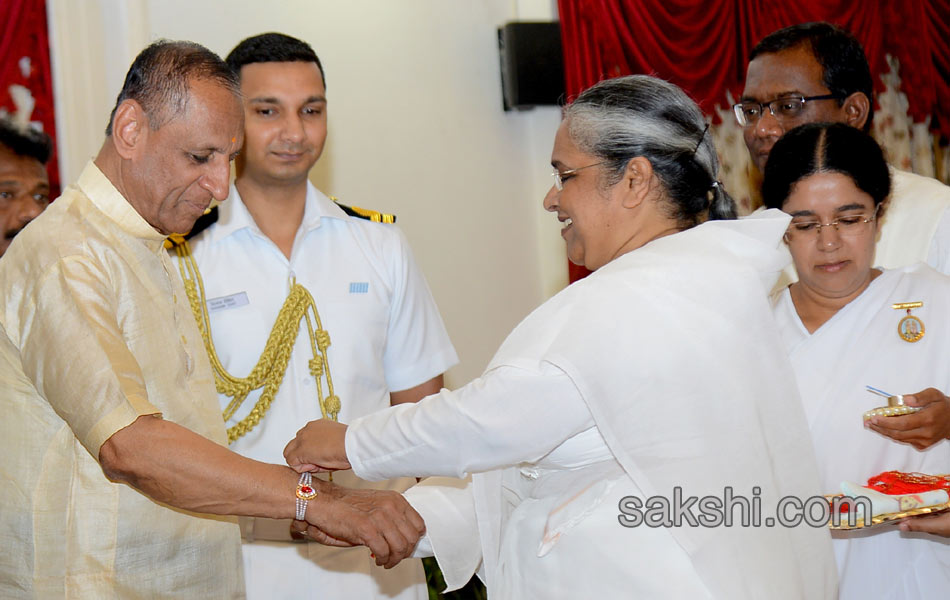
(233, 215)
(97, 187)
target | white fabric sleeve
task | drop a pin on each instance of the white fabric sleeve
(447, 506)
(417, 345)
(507, 416)
(938, 256)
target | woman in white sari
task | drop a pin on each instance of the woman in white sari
(847, 325)
(629, 384)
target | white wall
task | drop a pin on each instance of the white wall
(416, 128)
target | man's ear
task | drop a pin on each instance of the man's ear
(129, 128)
(857, 107)
(637, 181)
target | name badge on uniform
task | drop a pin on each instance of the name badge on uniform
(226, 302)
(359, 287)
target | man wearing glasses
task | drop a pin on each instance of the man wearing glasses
(816, 72)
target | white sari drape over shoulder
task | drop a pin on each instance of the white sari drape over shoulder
(674, 352)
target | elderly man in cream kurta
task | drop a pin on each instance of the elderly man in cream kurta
(105, 382)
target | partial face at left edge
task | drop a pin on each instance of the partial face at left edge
(24, 193)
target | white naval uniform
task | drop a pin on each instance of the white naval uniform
(860, 346)
(386, 335)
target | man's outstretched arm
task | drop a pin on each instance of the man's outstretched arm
(174, 465)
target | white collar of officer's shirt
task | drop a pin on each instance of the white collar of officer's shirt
(233, 215)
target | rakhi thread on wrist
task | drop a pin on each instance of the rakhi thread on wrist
(305, 493)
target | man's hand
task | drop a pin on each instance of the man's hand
(301, 531)
(379, 519)
(319, 446)
(921, 429)
(936, 524)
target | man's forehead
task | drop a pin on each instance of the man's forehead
(16, 165)
(209, 92)
(213, 120)
(271, 80)
(793, 71)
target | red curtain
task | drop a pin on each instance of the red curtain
(24, 62)
(702, 46)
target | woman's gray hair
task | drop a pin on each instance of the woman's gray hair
(637, 115)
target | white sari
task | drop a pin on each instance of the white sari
(658, 345)
(860, 346)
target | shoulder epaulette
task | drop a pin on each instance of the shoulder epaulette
(365, 213)
(204, 221)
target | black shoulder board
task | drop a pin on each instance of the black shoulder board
(365, 213)
(204, 221)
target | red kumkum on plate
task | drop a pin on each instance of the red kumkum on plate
(896, 483)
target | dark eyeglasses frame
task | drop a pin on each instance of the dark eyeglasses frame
(771, 104)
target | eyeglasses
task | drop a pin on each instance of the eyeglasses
(786, 108)
(847, 226)
(561, 176)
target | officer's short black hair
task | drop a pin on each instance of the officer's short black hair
(272, 47)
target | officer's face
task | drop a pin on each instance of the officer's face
(285, 121)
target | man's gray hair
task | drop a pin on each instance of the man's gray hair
(160, 76)
(638, 115)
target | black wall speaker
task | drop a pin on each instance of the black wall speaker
(532, 65)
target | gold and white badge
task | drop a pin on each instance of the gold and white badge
(910, 328)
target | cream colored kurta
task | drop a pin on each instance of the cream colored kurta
(658, 345)
(97, 332)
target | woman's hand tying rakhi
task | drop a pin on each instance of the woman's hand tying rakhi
(319, 446)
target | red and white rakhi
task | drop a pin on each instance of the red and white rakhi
(895, 495)
(305, 493)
